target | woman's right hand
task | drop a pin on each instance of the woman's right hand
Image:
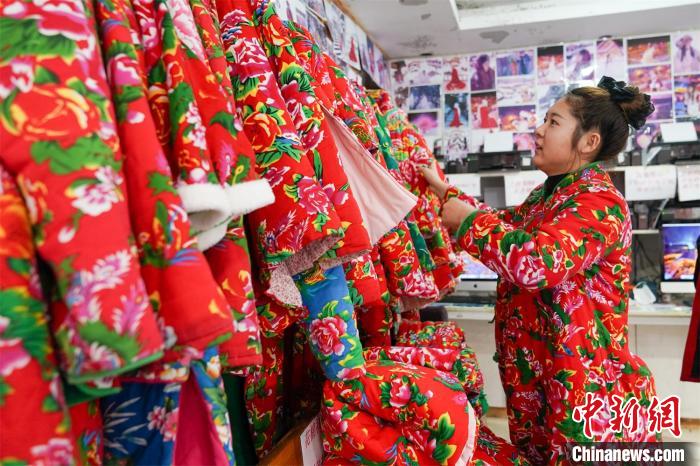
(431, 175)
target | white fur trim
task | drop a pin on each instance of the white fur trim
(207, 206)
(207, 201)
(210, 237)
(248, 196)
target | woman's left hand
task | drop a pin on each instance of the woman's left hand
(454, 212)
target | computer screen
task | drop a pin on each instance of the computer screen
(680, 251)
(475, 270)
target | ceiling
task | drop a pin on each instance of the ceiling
(444, 27)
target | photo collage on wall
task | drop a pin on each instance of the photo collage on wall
(339, 36)
(459, 99)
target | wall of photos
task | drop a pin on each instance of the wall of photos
(459, 98)
(347, 42)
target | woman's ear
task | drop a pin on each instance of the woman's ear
(589, 144)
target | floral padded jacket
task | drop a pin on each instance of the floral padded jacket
(561, 314)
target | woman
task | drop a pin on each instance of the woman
(563, 258)
(484, 76)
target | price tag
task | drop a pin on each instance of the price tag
(688, 182)
(311, 446)
(650, 182)
(468, 183)
(518, 186)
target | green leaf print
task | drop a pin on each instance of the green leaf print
(5, 390)
(289, 147)
(27, 323)
(320, 220)
(121, 48)
(123, 98)
(22, 37)
(604, 338)
(526, 373)
(160, 183)
(516, 237)
(45, 76)
(86, 152)
(5, 113)
(97, 332)
(19, 266)
(269, 157)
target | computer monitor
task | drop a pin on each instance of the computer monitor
(475, 275)
(679, 256)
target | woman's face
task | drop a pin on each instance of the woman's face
(553, 152)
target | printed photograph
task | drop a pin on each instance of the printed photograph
(580, 61)
(456, 143)
(484, 110)
(424, 98)
(426, 122)
(653, 78)
(398, 73)
(516, 91)
(648, 50)
(515, 63)
(550, 64)
(456, 73)
(645, 135)
(421, 71)
(483, 74)
(610, 59)
(318, 30)
(524, 141)
(546, 97)
(687, 90)
(663, 104)
(401, 98)
(521, 118)
(317, 7)
(686, 52)
(456, 110)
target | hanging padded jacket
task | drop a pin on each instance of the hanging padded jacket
(59, 141)
(30, 382)
(199, 315)
(302, 225)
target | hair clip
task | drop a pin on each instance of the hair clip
(617, 89)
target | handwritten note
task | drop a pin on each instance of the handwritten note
(688, 182)
(650, 182)
(469, 183)
(311, 446)
(519, 185)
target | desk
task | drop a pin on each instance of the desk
(652, 314)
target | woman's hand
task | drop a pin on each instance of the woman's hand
(436, 183)
(454, 212)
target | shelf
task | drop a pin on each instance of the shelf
(645, 232)
(652, 314)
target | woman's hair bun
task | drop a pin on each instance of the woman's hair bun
(635, 105)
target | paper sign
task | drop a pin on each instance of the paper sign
(468, 183)
(678, 132)
(500, 141)
(311, 447)
(518, 186)
(688, 182)
(650, 182)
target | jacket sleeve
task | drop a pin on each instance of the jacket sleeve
(59, 142)
(579, 235)
(507, 215)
